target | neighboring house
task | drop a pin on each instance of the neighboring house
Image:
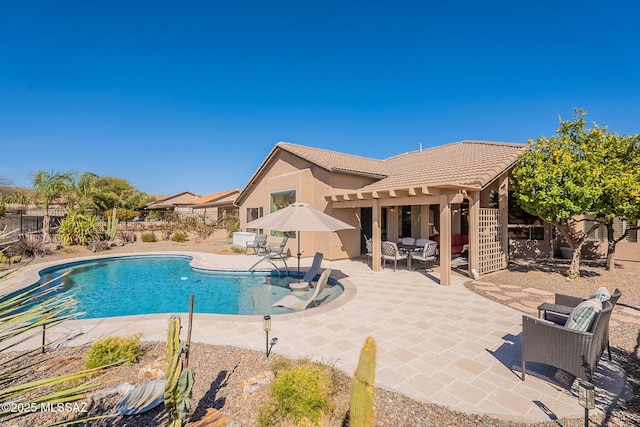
(180, 202)
(214, 207)
(445, 192)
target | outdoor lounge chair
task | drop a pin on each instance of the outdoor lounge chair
(298, 304)
(391, 252)
(573, 351)
(311, 274)
(259, 244)
(429, 252)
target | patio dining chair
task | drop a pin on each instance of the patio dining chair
(258, 244)
(390, 252)
(369, 246)
(429, 253)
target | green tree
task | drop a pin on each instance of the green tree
(558, 179)
(618, 159)
(113, 192)
(49, 186)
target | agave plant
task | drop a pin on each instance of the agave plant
(23, 316)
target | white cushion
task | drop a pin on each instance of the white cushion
(602, 294)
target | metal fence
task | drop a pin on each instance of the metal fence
(22, 224)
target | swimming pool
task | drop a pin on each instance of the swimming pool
(123, 286)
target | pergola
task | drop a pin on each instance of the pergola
(443, 196)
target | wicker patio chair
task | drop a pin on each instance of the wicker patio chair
(575, 352)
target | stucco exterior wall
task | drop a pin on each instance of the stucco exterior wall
(311, 183)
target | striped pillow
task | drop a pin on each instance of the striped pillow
(583, 315)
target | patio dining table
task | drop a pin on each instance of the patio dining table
(408, 249)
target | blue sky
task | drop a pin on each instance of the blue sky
(193, 95)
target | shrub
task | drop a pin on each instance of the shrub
(3, 258)
(78, 229)
(153, 216)
(26, 246)
(179, 236)
(149, 237)
(121, 214)
(300, 394)
(113, 350)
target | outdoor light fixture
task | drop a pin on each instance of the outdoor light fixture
(392, 208)
(586, 398)
(267, 328)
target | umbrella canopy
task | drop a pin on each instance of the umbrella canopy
(298, 217)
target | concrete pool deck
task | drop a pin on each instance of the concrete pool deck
(439, 344)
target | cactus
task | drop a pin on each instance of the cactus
(112, 225)
(177, 392)
(361, 409)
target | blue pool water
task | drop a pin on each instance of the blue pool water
(149, 284)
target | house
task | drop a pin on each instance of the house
(448, 191)
(180, 202)
(214, 207)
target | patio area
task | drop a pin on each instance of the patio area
(438, 344)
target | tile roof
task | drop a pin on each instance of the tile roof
(335, 161)
(214, 196)
(460, 164)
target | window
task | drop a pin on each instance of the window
(523, 225)
(252, 214)
(619, 227)
(279, 200)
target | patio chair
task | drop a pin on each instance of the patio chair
(428, 254)
(390, 252)
(559, 311)
(422, 242)
(574, 351)
(277, 251)
(258, 244)
(369, 245)
(311, 274)
(298, 304)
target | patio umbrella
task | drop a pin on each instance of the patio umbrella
(299, 217)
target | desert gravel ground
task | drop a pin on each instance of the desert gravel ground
(222, 370)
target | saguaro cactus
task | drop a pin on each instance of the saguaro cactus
(177, 392)
(361, 409)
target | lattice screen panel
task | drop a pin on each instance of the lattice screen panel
(492, 256)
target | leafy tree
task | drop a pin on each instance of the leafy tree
(618, 160)
(559, 178)
(48, 187)
(113, 192)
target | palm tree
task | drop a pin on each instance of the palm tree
(50, 186)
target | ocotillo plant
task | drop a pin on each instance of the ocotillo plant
(177, 392)
(361, 409)
(112, 225)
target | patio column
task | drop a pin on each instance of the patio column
(376, 214)
(474, 232)
(424, 222)
(503, 209)
(445, 240)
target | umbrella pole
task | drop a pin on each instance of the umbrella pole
(298, 238)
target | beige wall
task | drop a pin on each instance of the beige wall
(288, 172)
